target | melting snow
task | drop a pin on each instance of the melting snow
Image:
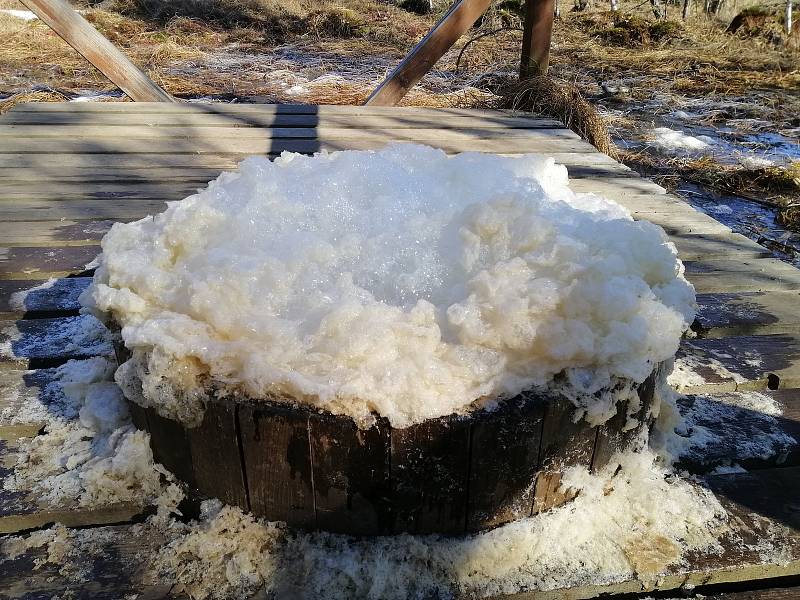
(402, 281)
(671, 141)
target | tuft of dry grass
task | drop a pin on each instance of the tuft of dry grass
(7, 104)
(563, 101)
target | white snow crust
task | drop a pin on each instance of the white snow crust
(89, 453)
(674, 141)
(25, 15)
(401, 282)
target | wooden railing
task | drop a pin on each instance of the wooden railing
(82, 36)
(109, 60)
(455, 23)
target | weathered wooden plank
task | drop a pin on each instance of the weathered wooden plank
(277, 461)
(740, 363)
(22, 510)
(93, 209)
(19, 513)
(614, 186)
(138, 416)
(351, 471)
(747, 313)
(170, 444)
(265, 145)
(452, 25)
(54, 233)
(21, 388)
(580, 166)
(618, 435)
(57, 165)
(214, 447)
(396, 119)
(694, 247)
(31, 298)
(504, 460)
(54, 340)
(113, 563)
(676, 224)
(771, 493)
(564, 443)
(13, 134)
(80, 210)
(238, 108)
(45, 262)
(776, 593)
(742, 275)
(429, 467)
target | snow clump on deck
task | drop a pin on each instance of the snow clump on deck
(401, 282)
(634, 518)
(89, 453)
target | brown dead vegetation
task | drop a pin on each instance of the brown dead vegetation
(774, 186)
(546, 96)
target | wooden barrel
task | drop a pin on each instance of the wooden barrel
(449, 475)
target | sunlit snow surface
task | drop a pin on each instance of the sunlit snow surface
(25, 15)
(401, 281)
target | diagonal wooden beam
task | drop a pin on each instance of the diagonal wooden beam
(94, 47)
(430, 49)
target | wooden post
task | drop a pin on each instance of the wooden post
(430, 49)
(536, 37)
(79, 33)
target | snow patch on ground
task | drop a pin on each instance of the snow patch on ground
(743, 425)
(89, 454)
(671, 141)
(699, 369)
(25, 15)
(83, 335)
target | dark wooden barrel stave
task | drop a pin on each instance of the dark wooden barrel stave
(450, 475)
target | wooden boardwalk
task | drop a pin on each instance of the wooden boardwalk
(68, 171)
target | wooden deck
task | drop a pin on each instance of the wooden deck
(68, 171)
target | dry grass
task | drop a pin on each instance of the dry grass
(44, 96)
(778, 187)
(546, 96)
(275, 21)
(702, 59)
(697, 58)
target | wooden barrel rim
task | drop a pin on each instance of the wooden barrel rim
(450, 475)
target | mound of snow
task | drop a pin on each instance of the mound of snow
(672, 141)
(402, 281)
